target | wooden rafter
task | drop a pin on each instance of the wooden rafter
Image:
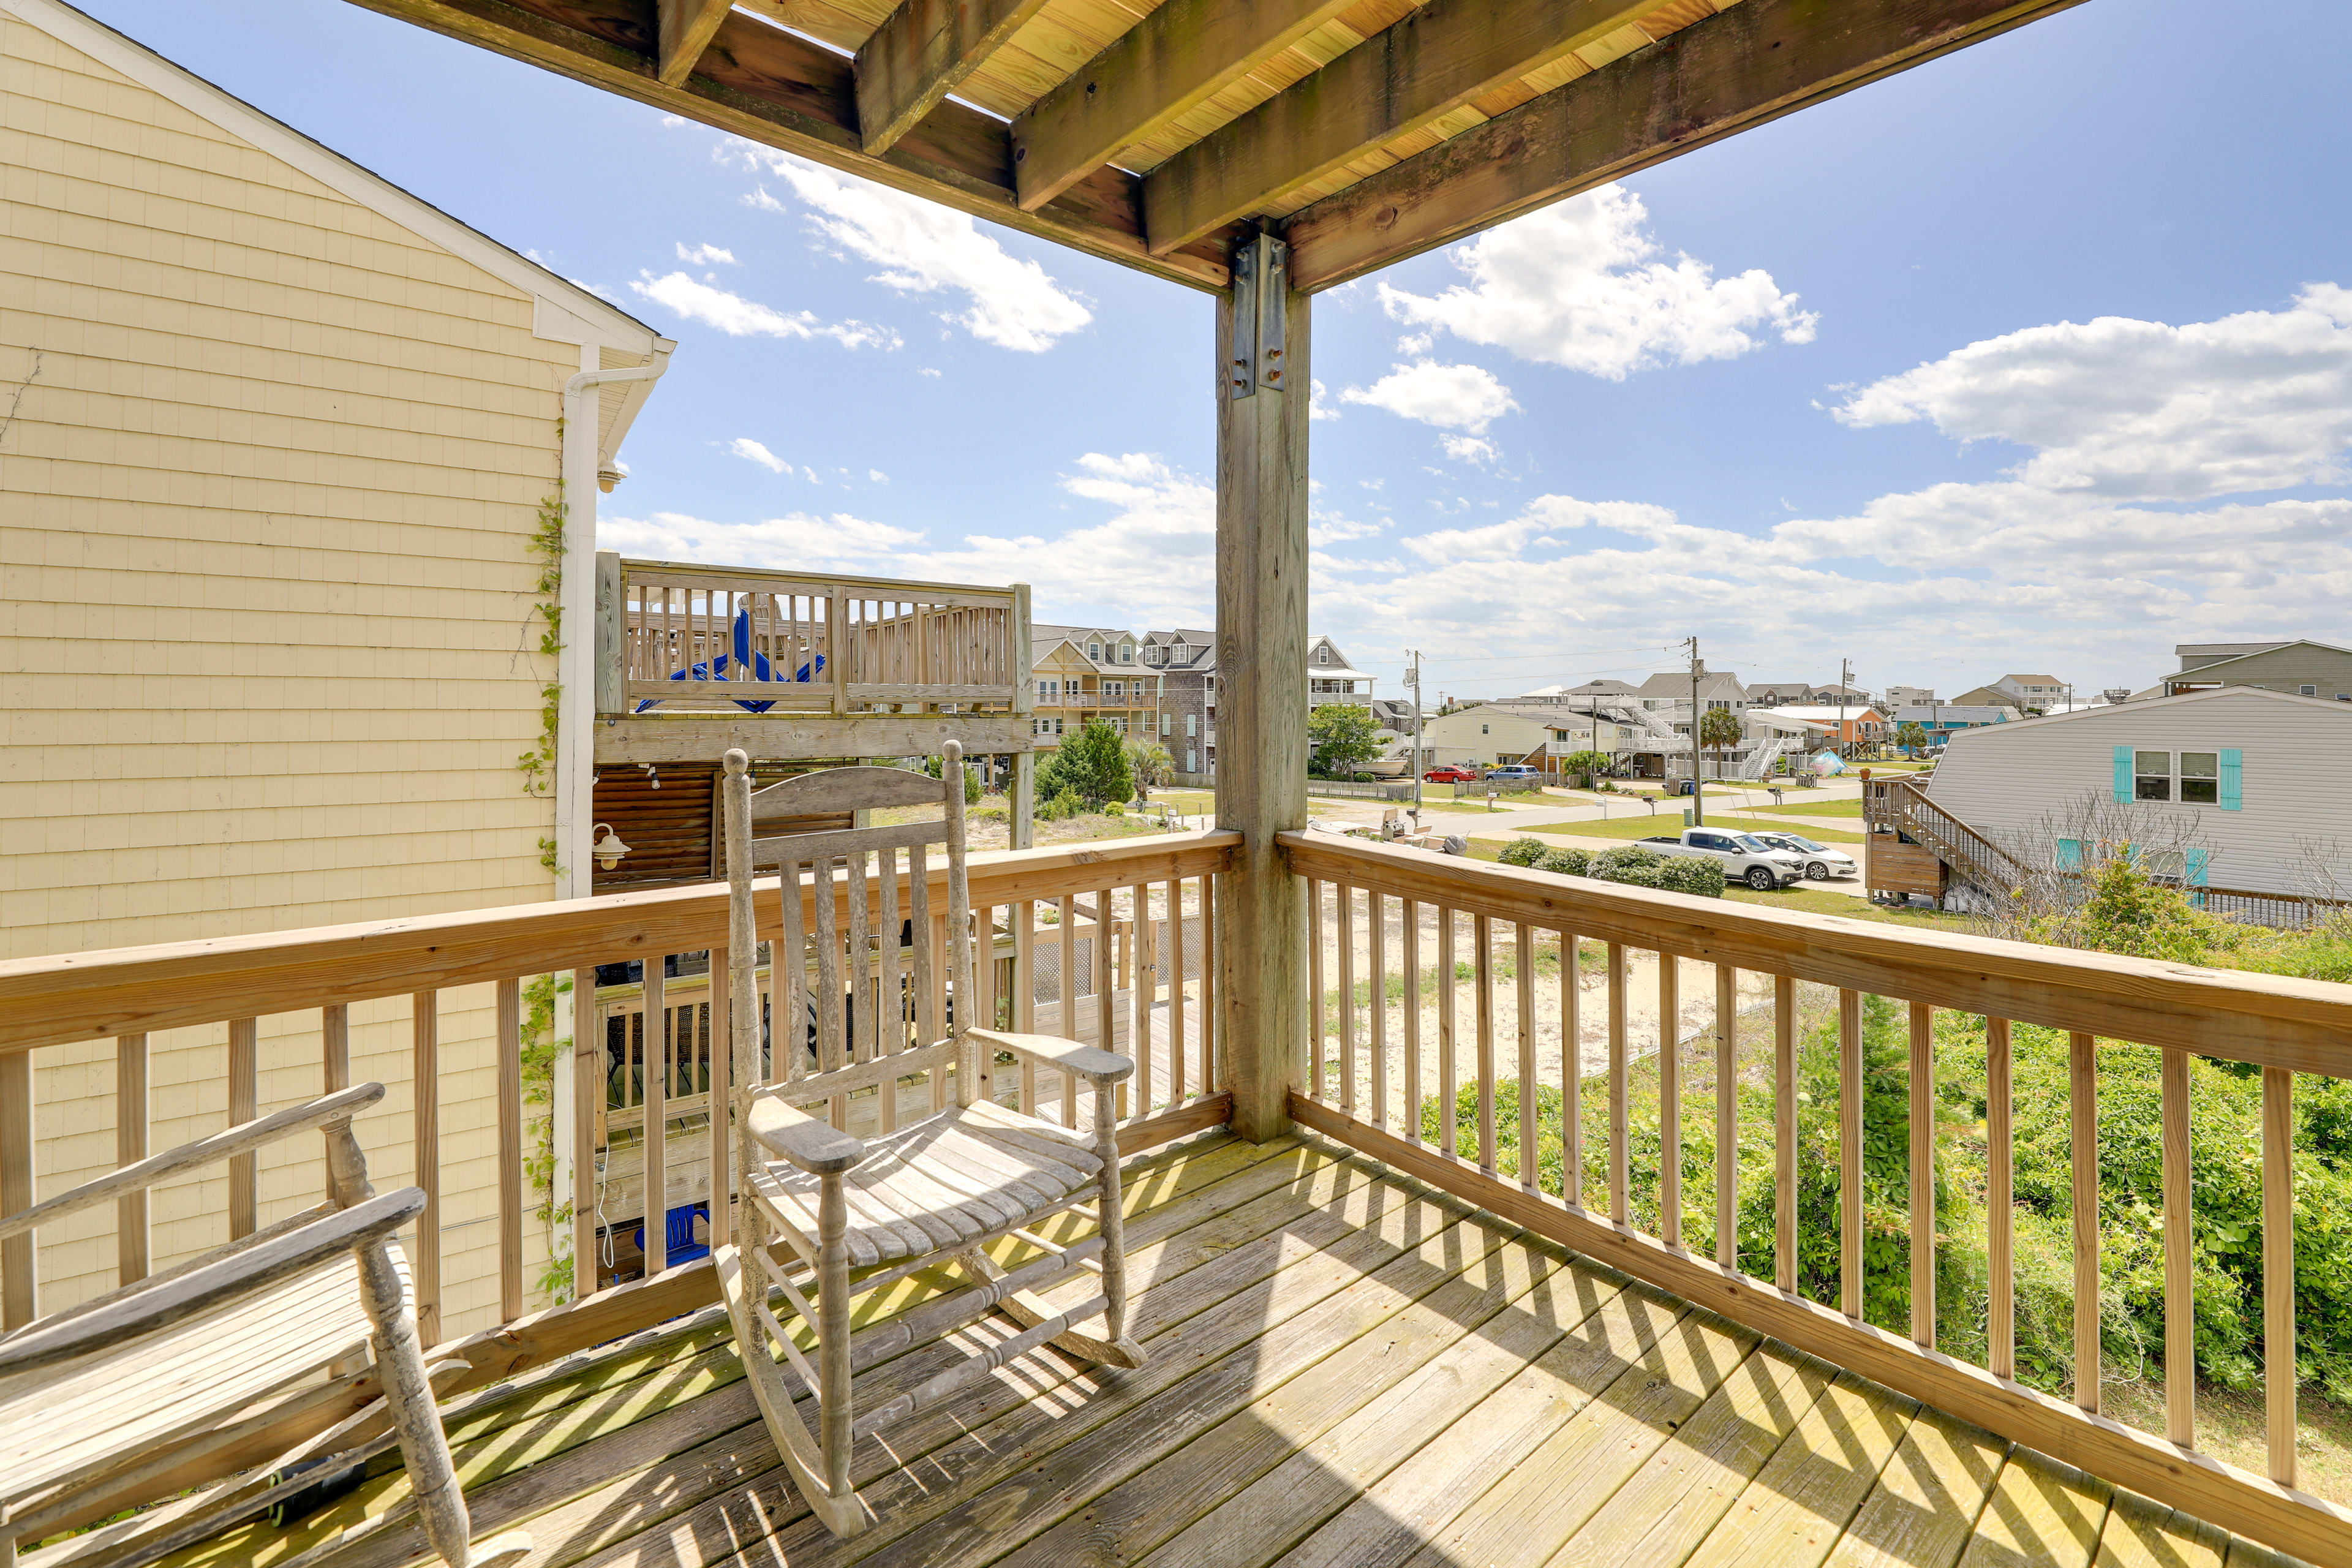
(1405, 77)
(919, 55)
(1161, 69)
(772, 87)
(1755, 62)
(686, 26)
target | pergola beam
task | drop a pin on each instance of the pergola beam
(919, 55)
(686, 26)
(1164, 67)
(772, 87)
(1753, 63)
(1402, 79)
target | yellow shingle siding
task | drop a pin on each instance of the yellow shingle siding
(266, 604)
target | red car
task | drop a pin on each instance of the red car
(1449, 775)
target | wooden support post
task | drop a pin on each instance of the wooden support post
(1025, 704)
(653, 1203)
(133, 1255)
(2001, 1208)
(1850, 1154)
(244, 1105)
(2083, 1095)
(2279, 1372)
(425, 1258)
(509, 1004)
(1260, 666)
(1784, 1132)
(587, 1095)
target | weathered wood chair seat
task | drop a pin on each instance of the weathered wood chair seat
(107, 1409)
(57, 1419)
(934, 1193)
(948, 1181)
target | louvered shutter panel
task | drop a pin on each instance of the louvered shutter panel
(2230, 771)
(2123, 775)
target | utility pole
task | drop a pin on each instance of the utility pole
(1845, 679)
(1412, 679)
(1699, 790)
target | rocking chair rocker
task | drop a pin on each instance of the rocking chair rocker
(939, 1189)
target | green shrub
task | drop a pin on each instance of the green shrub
(1523, 852)
(1628, 863)
(1061, 807)
(1113, 808)
(1565, 862)
(1699, 877)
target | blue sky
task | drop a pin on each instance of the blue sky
(2035, 358)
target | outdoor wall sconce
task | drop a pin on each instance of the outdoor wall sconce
(608, 848)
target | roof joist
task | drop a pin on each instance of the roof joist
(1753, 63)
(1698, 70)
(775, 88)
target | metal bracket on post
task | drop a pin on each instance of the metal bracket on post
(1261, 285)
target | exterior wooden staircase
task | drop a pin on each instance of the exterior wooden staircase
(1978, 865)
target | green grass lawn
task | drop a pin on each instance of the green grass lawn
(1801, 806)
(1669, 823)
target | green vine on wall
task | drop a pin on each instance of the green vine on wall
(542, 993)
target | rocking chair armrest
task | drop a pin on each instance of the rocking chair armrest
(809, 1141)
(1094, 1066)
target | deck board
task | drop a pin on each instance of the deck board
(1346, 1369)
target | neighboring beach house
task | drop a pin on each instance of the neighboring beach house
(2257, 773)
(2301, 668)
(283, 436)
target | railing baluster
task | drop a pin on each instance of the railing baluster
(1143, 963)
(2179, 1281)
(1482, 933)
(509, 1048)
(424, 1263)
(1410, 931)
(587, 1095)
(719, 1096)
(1572, 1074)
(1212, 1060)
(1347, 924)
(2082, 1084)
(1850, 1154)
(1448, 1076)
(1670, 1100)
(1784, 1132)
(1923, 1175)
(1174, 966)
(335, 1060)
(1317, 1028)
(133, 1251)
(1070, 979)
(1727, 1115)
(1620, 1121)
(1377, 1000)
(1523, 964)
(19, 1293)
(2278, 1270)
(1024, 993)
(2000, 1204)
(889, 987)
(654, 1188)
(244, 1105)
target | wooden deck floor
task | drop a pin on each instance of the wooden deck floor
(1346, 1369)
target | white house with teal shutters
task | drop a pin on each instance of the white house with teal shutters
(2266, 777)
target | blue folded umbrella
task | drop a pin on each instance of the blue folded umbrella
(715, 669)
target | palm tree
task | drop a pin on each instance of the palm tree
(1719, 728)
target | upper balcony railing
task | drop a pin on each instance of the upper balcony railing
(681, 638)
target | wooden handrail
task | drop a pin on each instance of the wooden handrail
(121, 991)
(2303, 1026)
(2287, 1025)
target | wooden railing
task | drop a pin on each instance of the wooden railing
(319, 977)
(1384, 924)
(688, 637)
(1900, 805)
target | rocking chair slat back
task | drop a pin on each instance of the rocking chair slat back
(861, 934)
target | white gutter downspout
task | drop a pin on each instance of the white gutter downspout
(575, 714)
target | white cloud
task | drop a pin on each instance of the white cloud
(739, 318)
(1329, 531)
(925, 249)
(1318, 406)
(2140, 410)
(704, 255)
(877, 476)
(930, 370)
(753, 451)
(1576, 284)
(799, 539)
(1450, 397)
(1469, 449)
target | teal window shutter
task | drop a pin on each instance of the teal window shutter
(2070, 854)
(2232, 768)
(2196, 867)
(2123, 775)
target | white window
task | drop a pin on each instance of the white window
(1094, 650)
(2151, 776)
(1482, 728)
(1322, 656)
(1114, 688)
(1057, 726)
(1048, 690)
(1127, 653)
(2200, 778)
(2307, 691)
(1070, 687)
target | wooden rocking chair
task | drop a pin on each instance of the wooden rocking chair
(938, 1189)
(125, 1399)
